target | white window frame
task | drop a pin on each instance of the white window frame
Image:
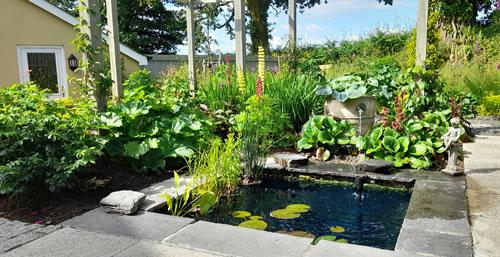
(22, 60)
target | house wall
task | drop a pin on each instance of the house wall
(23, 23)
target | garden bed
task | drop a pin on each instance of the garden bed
(54, 208)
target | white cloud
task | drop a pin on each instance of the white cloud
(311, 27)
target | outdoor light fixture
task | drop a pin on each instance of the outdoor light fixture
(72, 62)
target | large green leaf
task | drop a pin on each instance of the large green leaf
(404, 143)
(302, 144)
(135, 149)
(325, 137)
(112, 120)
(184, 151)
(356, 92)
(375, 136)
(391, 144)
(418, 149)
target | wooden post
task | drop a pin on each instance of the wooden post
(421, 46)
(191, 50)
(89, 25)
(240, 32)
(114, 50)
(292, 23)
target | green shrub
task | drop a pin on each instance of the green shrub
(44, 142)
(490, 105)
(150, 125)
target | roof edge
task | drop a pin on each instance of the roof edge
(141, 59)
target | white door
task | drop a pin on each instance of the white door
(45, 66)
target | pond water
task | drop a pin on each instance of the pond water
(372, 217)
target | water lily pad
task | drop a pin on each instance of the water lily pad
(298, 207)
(297, 233)
(284, 214)
(255, 217)
(241, 214)
(342, 241)
(337, 229)
(327, 237)
(254, 224)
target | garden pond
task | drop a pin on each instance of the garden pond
(326, 210)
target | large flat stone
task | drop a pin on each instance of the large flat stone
(144, 225)
(154, 249)
(487, 183)
(287, 159)
(438, 207)
(10, 229)
(486, 236)
(7, 244)
(75, 243)
(238, 241)
(329, 249)
(434, 243)
(154, 192)
(483, 203)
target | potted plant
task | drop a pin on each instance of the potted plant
(351, 98)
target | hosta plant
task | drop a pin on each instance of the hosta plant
(326, 132)
(149, 126)
(348, 87)
(415, 145)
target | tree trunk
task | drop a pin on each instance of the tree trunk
(259, 32)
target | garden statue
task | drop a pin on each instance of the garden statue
(452, 145)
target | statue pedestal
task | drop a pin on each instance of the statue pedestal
(452, 167)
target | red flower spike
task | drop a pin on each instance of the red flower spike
(258, 88)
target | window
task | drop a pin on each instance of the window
(45, 66)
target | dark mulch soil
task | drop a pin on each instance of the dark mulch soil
(53, 208)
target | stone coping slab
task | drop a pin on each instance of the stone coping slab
(144, 225)
(329, 249)
(154, 249)
(233, 240)
(75, 243)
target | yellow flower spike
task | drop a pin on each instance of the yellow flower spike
(241, 80)
(262, 65)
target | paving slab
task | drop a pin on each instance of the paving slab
(329, 249)
(438, 207)
(486, 235)
(238, 241)
(433, 243)
(144, 225)
(483, 203)
(153, 193)
(154, 249)
(10, 229)
(7, 244)
(75, 243)
(484, 182)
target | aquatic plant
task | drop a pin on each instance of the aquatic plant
(329, 238)
(187, 202)
(292, 211)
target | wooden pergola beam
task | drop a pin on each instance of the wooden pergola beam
(114, 50)
(190, 43)
(292, 23)
(421, 44)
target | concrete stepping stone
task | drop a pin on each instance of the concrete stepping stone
(123, 202)
(144, 225)
(75, 243)
(238, 241)
(329, 249)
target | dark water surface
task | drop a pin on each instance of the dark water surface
(372, 218)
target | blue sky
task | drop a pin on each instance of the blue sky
(336, 20)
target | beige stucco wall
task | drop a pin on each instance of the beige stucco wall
(23, 23)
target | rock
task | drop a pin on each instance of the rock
(123, 202)
(377, 166)
(290, 159)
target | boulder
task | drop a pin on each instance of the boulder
(290, 159)
(123, 202)
(376, 166)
